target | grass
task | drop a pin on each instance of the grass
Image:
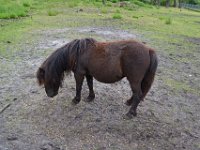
(117, 16)
(52, 12)
(178, 86)
(13, 9)
(168, 21)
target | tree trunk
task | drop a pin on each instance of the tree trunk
(104, 2)
(167, 3)
(158, 2)
(179, 3)
(175, 4)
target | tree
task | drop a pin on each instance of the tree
(104, 2)
(175, 4)
(179, 3)
(167, 3)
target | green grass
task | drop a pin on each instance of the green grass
(52, 12)
(178, 86)
(117, 16)
(14, 9)
(168, 21)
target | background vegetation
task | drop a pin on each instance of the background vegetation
(20, 8)
(21, 16)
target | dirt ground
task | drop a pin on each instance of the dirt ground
(29, 120)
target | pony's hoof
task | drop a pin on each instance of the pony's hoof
(128, 103)
(129, 116)
(90, 98)
(75, 101)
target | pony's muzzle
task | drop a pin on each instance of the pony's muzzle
(51, 93)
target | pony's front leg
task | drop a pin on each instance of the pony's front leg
(79, 82)
(91, 95)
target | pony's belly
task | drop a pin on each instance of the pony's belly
(108, 78)
(107, 81)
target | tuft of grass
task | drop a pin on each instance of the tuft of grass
(52, 13)
(13, 16)
(168, 21)
(117, 16)
(135, 17)
(25, 4)
(104, 10)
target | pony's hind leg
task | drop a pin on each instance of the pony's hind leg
(79, 82)
(91, 95)
(134, 100)
(129, 101)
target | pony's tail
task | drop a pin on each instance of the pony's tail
(149, 76)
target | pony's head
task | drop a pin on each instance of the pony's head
(51, 72)
(51, 82)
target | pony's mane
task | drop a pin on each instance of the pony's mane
(58, 62)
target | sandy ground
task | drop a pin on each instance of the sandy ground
(29, 120)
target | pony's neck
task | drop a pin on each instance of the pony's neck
(71, 59)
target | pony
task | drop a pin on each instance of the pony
(107, 62)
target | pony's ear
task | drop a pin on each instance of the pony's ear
(40, 76)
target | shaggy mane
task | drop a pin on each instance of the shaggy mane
(58, 62)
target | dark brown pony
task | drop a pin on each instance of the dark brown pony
(107, 62)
